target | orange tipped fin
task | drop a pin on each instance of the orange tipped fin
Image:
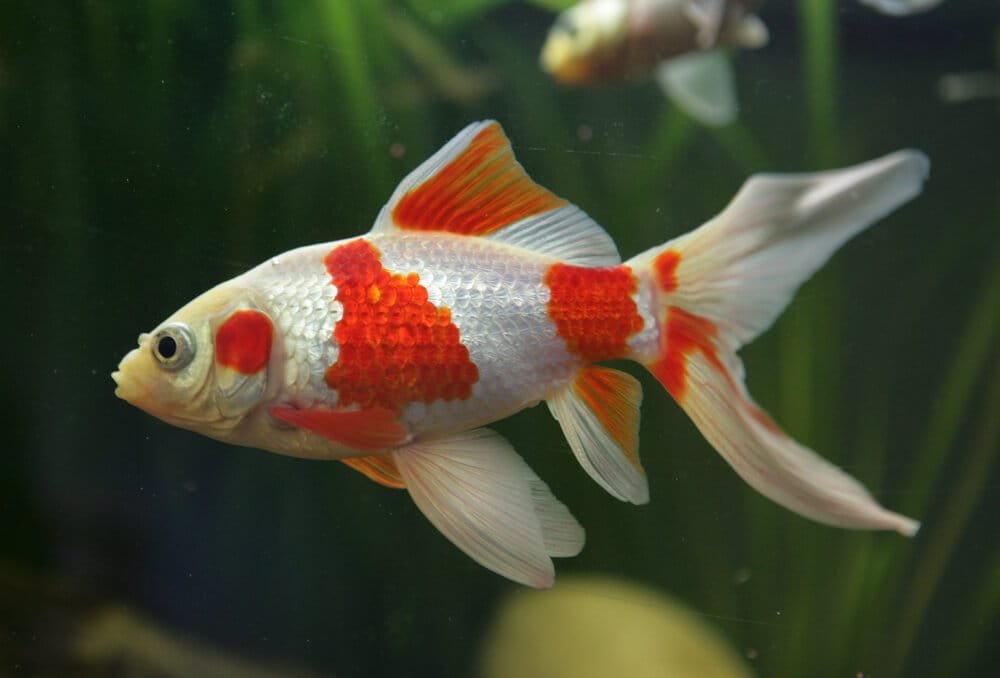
(380, 468)
(472, 186)
(599, 415)
(475, 186)
(375, 428)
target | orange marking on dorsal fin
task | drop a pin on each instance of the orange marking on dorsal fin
(376, 428)
(380, 468)
(481, 190)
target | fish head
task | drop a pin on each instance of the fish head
(586, 41)
(205, 368)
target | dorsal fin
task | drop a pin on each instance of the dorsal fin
(475, 186)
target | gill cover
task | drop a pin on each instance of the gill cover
(242, 353)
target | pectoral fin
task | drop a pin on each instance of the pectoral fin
(480, 494)
(375, 428)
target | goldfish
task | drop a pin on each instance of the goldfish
(679, 41)
(479, 293)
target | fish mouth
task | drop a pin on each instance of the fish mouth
(121, 390)
(128, 388)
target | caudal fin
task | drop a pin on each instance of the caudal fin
(718, 287)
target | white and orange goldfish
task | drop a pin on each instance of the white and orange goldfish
(679, 41)
(479, 293)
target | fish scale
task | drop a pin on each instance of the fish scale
(299, 296)
(498, 301)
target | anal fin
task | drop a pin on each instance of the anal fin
(482, 496)
(378, 467)
(599, 415)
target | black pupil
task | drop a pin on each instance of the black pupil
(167, 347)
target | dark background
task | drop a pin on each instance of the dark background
(151, 150)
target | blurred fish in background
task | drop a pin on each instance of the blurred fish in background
(901, 7)
(975, 85)
(680, 41)
(957, 88)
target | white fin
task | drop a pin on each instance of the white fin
(480, 494)
(566, 234)
(764, 456)
(707, 17)
(777, 232)
(723, 284)
(702, 85)
(474, 186)
(599, 415)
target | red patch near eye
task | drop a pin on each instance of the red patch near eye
(243, 341)
(593, 309)
(396, 347)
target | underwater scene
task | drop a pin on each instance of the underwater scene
(511, 202)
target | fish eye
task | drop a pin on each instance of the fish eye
(173, 346)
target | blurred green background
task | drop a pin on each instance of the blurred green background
(149, 150)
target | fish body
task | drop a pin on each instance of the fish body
(479, 293)
(451, 332)
(606, 41)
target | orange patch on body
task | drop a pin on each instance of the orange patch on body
(243, 341)
(593, 309)
(480, 191)
(396, 347)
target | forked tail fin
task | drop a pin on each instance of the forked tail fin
(718, 287)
